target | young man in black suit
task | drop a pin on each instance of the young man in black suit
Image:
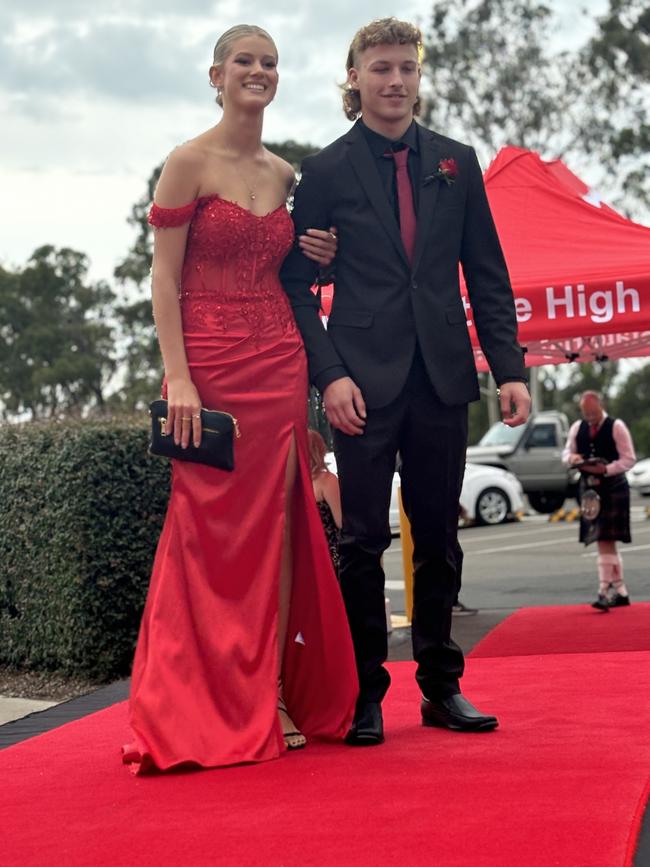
(395, 365)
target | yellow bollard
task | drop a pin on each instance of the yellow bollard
(407, 557)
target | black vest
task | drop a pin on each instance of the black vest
(602, 445)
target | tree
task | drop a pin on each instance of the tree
(615, 67)
(594, 376)
(291, 151)
(141, 360)
(135, 267)
(632, 404)
(56, 352)
(495, 80)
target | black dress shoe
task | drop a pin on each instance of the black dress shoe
(368, 726)
(602, 603)
(460, 610)
(457, 714)
(618, 600)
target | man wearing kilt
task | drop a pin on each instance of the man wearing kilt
(602, 448)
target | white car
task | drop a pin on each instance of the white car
(639, 477)
(489, 495)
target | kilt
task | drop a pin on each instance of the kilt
(613, 521)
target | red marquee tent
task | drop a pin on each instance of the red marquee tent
(580, 271)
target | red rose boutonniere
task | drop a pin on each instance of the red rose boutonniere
(447, 171)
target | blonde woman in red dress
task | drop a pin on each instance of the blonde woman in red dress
(244, 649)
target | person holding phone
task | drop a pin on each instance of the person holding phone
(602, 449)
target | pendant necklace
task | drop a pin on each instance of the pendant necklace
(251, 190)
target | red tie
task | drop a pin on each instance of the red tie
(593, 430)
(407, 222)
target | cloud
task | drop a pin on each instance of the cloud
(81, 9)
(136, 54)
(135, 62)
(94, 95)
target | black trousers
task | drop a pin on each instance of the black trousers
(431, 439)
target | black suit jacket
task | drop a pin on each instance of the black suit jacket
(382, 305)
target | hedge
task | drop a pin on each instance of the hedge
(81, 509)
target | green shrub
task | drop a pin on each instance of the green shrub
(81, 509)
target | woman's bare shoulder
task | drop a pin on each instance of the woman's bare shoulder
(329, 480)
(180, 177)
(193, 153)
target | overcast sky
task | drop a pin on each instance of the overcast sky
(93, 95)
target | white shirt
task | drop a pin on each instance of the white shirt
(624, 445)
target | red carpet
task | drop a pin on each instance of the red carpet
(568, 629)
(560, 783)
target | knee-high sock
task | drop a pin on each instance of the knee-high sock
(610, 571)
(617, 577)
(606, 567)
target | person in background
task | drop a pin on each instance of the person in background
(327, 494)
(602, 448)
(458, 609)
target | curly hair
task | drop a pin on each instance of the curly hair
(383, 31)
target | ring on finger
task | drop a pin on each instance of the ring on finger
(186, 418)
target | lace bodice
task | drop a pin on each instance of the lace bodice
(230, 271)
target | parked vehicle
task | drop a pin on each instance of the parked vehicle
(488, 496)
(639, 477)
(533, 453)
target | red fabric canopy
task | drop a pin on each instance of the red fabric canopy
(579, 270)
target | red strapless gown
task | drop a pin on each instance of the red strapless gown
(204, 684)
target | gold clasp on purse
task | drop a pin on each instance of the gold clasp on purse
(163, 422)
(235, 423)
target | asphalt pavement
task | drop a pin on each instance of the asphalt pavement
(533, 562)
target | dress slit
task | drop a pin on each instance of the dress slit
(288, 542)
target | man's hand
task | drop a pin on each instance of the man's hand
(515, 403)
(344, 406)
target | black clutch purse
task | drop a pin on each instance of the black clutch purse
(218, 432)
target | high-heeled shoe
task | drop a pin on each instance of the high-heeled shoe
(294, 740)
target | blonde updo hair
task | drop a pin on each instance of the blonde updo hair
(224, 46)
(383, 31)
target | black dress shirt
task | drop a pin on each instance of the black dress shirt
(379, 145)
